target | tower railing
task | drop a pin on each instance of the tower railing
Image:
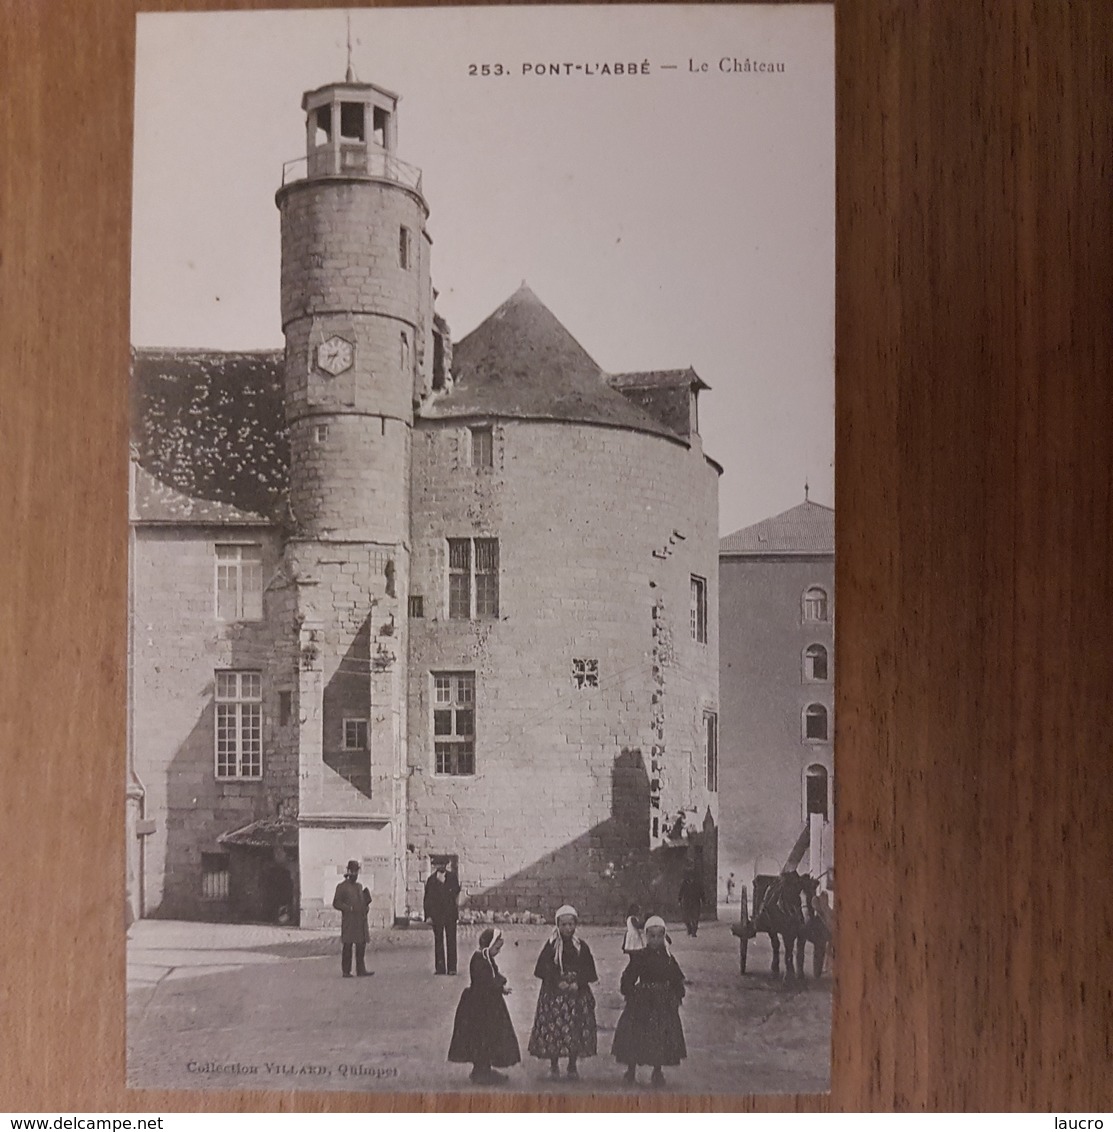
(351, 161)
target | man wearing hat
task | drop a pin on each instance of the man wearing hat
(442, 893)
(352, 901)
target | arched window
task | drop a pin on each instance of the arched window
(815, 604)
(815, 663)
(815, 722)
(815, 791)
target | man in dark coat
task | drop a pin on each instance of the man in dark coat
(442, 891)
(352, 901)
(691, 899)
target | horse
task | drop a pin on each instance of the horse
(779, 904)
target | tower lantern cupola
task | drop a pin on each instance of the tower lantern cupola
(351, 129)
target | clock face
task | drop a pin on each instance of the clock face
(335, 355)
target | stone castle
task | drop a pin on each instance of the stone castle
(398, 600)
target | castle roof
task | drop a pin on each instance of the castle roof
(209, 427)
(521, 362)
(209, 436)
(353, 85)
(806, 529)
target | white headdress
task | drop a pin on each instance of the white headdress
(496, 935)
(657, 922)
(558, 940)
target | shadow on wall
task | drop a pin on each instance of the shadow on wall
(608, 867)
(347, 696)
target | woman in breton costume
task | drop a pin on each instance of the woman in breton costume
(483, 1033)
(649, 1031)
(564, 1025)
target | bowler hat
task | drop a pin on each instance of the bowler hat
(353, 867)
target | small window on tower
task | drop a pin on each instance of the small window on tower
(698, 612)
(285, 703)
(482, 447)
(404, 352)
(417, 605)
(355, 734)
(322, 433)
(404, 248)
(351, 121)
(711, 749)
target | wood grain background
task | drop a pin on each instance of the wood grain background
(975, 412)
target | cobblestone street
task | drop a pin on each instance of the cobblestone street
(262, 1007)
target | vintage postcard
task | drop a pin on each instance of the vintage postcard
(482, 550)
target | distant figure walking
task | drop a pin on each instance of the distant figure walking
(691, 899)
(649, 1031)
(483, 1033)
(730, 889)
(634, 939)
(564, 1024)
(442, 895)
(352, 901)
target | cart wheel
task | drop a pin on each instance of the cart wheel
(743, 947)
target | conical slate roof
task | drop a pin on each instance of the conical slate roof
(522, 363)
(808, 528)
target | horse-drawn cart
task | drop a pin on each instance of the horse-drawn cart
(783, 908)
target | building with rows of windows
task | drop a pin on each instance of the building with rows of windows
(776, 663)
(398, 600)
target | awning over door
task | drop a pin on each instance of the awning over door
(268, 833)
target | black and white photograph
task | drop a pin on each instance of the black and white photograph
(481, 563)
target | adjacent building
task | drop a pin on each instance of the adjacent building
(776, 663)
(403, 600)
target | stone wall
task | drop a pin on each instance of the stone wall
(600, 531)
(351, 643)
(342, 276)
(350, 484)
(178, 644)
(764, 693)
(340, 250)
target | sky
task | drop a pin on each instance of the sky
(683, 217)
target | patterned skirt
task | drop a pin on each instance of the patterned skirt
(564, 1025)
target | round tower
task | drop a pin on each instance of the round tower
(356, 313)
(358, 319)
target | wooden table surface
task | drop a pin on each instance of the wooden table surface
(974, 422)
